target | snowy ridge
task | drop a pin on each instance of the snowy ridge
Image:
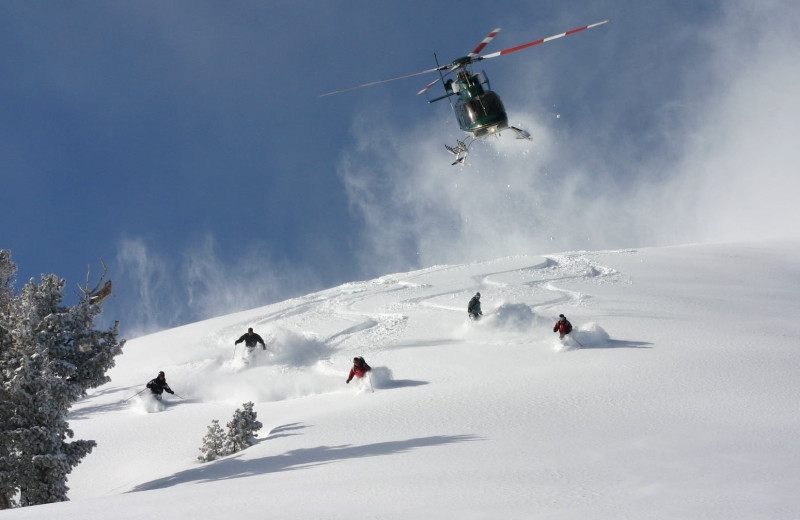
(675, 397)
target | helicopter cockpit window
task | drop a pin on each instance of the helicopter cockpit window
(483, 106)
(481, 112)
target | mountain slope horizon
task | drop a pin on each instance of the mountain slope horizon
(675, 396)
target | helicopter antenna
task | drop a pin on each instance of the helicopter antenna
(450, 68)
(441, 76)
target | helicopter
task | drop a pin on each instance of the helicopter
(478, 109)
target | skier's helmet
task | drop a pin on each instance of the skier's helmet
(477, 295)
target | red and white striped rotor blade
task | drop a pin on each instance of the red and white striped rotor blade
(537, 42)
(432, 83)
(484, 43)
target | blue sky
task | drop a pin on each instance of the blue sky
(184, 143)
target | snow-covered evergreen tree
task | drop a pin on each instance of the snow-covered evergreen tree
(8, 271)
(214, 443)
(243, 428)
(49, 356)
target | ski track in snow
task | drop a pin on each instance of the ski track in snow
(311, 340)
(526, 295)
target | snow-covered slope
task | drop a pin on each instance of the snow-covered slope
(676, 398)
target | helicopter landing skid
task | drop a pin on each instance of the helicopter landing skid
(521, 134)
(460, 150)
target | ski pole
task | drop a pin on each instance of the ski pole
(578, 342)
(369, 378)
(234, 352)
(178, 396)
(134, 395)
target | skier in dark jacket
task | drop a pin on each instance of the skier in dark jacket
(251, 339)
(562, 326)
(359, 370)
(474, 307)
(159, 385)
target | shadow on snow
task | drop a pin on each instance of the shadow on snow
(235, 467)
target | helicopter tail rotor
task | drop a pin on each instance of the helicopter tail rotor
(460, 150)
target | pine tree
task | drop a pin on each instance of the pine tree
(242, 428)
(7, 480)
(8, 272)
(49, 356)
(8, 487)
(214, 444)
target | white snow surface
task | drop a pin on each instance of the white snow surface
(676, 397)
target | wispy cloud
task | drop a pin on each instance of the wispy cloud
(740, 168)
(201, 284)
(143, 273)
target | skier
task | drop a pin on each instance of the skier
(474, 307)
(159, 385)
(251, 339)
(562, 326)
(359, 370)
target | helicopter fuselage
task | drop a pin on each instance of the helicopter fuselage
(479, 110)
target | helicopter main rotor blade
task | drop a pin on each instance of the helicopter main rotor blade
(434, 82)
(484, 43)
(537, 42)
(371, 83)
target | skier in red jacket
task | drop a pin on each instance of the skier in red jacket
(562, 326)
(359, 370)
